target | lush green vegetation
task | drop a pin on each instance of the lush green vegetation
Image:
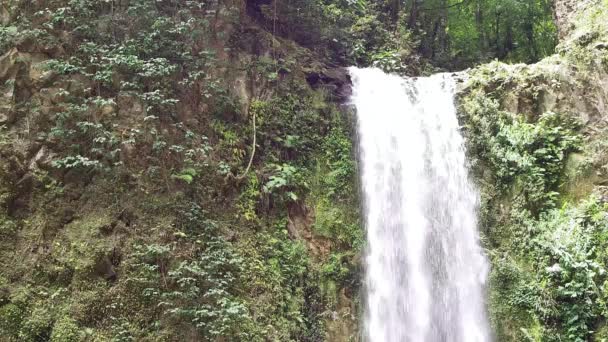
(405, 35)
(513, 30)
(544, 212)
(136, 204)
(129, 211)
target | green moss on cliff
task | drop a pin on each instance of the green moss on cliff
(128, 209)
(534, 134)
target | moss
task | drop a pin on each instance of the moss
(81, 244)
(340, 224)
(66, 329)
(11, 318)
(579, 178)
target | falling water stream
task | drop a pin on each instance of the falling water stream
(425, 269)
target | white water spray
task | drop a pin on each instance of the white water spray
(425, 270)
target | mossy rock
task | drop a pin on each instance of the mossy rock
(578, 177)
(83, 244)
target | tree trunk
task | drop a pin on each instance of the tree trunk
(508, 46)
(497, 32)
(411, 24)
(480, 29)
(442, 38)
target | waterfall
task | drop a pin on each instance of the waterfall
(425, 269)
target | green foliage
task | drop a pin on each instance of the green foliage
(140, 52)
(389, 61)
(281, 270)
(351, 32)
(11, 318)
(334, 189)
(210, 276)
(512, 297)
(139, 95)
(37, 325)
(391, 48)
(290, 123)
(338, 158)
(549, 254)
(512, 30)
(66, 330)
(285, 180)
(74, 162)
(567, 248)
(574, 238)
(199, 288)
(249, 198)
(391, 34)
(187, 175)
(339, 223)
(527, 158)
(8, 224)
(339, 268)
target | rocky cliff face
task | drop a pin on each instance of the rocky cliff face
(129, 209)
(563, 10)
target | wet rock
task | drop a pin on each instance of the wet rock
(5, 16)
(38, 74)
(563, 10)
(67, 215)
(336, 81)
(42, 159)
(461, 77)
(601, 46)
(299, 227)
(603, 190)
(231, 236)
(120, 228)
(105, 269)
(78, 85)
(8, 65)
(127, 216)
(585, 38)
(49, 98)
(242, 92)
(19, 204)
(4, 295)
(127, 152)
(107, 229)
(30, 68)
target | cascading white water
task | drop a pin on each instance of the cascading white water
(425, 270)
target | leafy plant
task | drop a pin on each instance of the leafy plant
(286, 180)
(187, 175)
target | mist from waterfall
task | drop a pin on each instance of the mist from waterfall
(425, 269)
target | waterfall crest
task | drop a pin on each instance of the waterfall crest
(425, 269)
